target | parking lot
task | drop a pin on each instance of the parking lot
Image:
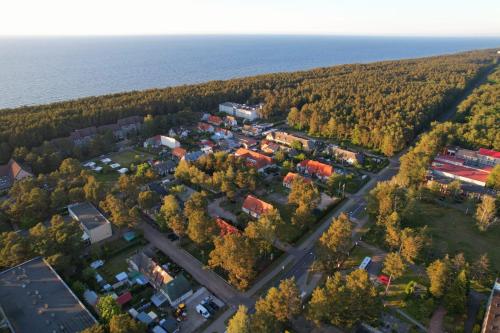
(194, 319)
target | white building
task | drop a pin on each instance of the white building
(162, 140)
(250, 112)
(95, 226)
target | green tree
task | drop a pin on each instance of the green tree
(200, 228)
(93, 190)
(236, 255)
(394, 266)
(333, 246)
(494, 178)
(147, 199)
(486, 213)
(118, 211)
(96, 328)
(265, 229)
(438, 274)
(107, 307)
(240, 322)
(456, 297)
(123, 323)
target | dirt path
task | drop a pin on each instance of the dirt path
(436, 323)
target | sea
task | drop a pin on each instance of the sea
(50, 69)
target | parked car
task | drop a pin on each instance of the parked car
(202, 311)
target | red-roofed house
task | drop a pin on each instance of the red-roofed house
(179, 152)
(254, 159)
(314, 168)
(290, 177)
(255, 207)
(204, 127)
(226, 228)
(214, 120)
(124, 298)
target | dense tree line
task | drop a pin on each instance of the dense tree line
(380, 105)
(479, 115)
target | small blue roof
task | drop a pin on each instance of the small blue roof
(129, 235)
(143, 317)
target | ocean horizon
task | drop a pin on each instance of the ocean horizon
(39, 70)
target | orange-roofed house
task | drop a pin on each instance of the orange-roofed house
(254, 159)
(255, 207)
(226, 228)
(290, 177)
(12, 172)
(179, 152)
(314, 168)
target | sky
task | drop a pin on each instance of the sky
(329, 17)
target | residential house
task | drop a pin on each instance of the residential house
(34, 298)
(164, 168)
(251, 130)
(179, 152)
(226, 228)
(95, 226)
(83, 136)
(255, 207)
(314, 168)
(207, 146)
(177, 290)
(290, 140)
(222, 134)
(155, 273)
(193, 156)
(345, 155)
(128, 125)
(162, 140)
(457, 168)
(254, 159)
(491, 321)
(214, 120)
(291, 176)
(250, 112)
(230, 121)
(269, 147)
(205, 128)
(247, 142)
(12, 172)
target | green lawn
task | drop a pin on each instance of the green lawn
(127, 157)
(452, 231)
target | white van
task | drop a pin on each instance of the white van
(203, 311)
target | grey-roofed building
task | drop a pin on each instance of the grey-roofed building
(95, 226)
(34, 298)
(177, 290)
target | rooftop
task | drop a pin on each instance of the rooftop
(177, 287)
(34, 298)
(88, 215)
(255, 159)
(453, 166)
(256, 205)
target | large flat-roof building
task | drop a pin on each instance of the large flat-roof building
(491, 322)
(96, 226)
(34, 298)
(250, 112)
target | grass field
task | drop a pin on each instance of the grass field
(452, 231)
